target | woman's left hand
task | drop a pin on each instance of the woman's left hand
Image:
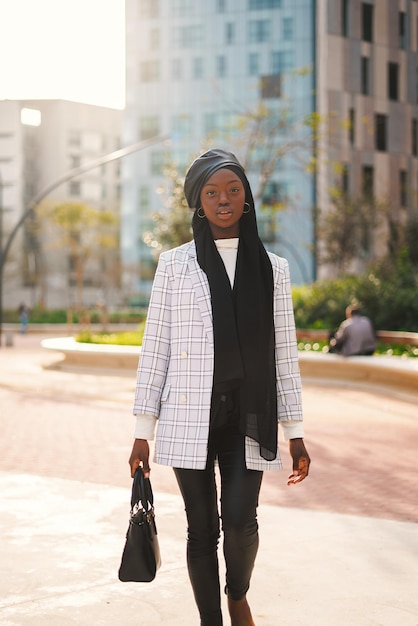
(301, 461)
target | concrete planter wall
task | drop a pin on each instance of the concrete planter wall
(395, 374)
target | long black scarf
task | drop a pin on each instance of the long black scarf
(242, 316)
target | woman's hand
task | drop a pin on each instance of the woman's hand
(140, 456)
(301, 461)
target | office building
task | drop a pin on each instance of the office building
(197, 71)
(40, 142)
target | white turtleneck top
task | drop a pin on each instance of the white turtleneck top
(228, 249)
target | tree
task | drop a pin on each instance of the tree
(267, 135)
(411, 239)
(347, 230)
(173, 226)
(84, 232)
(264, 135)
(338, 232)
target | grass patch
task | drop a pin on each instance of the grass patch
(135, 339)
(131, 338)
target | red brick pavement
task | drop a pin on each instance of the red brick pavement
(363, 446)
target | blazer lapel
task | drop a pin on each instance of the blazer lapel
(201, 286)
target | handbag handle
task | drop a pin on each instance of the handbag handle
(141, 491)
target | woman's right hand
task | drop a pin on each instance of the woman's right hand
(140, 456)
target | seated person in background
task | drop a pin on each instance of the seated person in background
(355, 336)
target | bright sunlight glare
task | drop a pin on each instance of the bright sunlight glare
(64, 49)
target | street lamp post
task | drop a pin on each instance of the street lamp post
(78, 171)
(1, 260)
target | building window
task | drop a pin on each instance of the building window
(403, 188)
(181, 8)
(154, 38)
(176, 69)
(282, 61)
(230, 33)
(75, 161)
(181, 126)
(189, 36)
(221, 66)
(345, 180)
(259, 31)
(149, 8)
(365, 76)
(351, 126)
(272, 194)
(344, 18)
(221, 6)
(414, 137)
(367, 21)
(416, 86)
(157, 162)
(197, 68)
(393, 81)
(74, 188)
(254, 5)
(218, 122)
(149, 126)
(149, 71)
(380, 125)
(402, 30)
(74, 139)
(253, 64)
(288, 29)
(144, 199)
(30, 117)
(271, 86)
(368, 181)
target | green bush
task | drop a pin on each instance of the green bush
(59, 316)
(322, 305)
(37, 316)
(389, 296)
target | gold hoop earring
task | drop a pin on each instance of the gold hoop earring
(202, 217)
(249, 208)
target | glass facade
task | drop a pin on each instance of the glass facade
(212, 70)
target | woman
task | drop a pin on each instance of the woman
(218, 369)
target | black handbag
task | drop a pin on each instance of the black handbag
(141, 554)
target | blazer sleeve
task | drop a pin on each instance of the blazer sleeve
(155, 351)
(289, 387)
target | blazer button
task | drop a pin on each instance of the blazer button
(183, 399)
(183, 355)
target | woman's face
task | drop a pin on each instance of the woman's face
(222, 200)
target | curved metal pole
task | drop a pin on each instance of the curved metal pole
(78, 171)
(299, 261)
(112, 156)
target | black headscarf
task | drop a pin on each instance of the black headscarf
(242, 317)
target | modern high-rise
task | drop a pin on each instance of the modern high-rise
(196, 69)
(367, 91)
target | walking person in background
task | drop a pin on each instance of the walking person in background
(23, 317)
(355, 336)
(218, 372)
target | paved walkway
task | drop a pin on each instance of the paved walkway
(338, 550)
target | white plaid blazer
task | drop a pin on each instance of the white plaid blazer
(175, 371)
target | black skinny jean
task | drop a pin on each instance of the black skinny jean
(240, 489)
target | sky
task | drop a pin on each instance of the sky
(63, 49)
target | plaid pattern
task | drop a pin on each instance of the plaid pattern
(175, 373)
